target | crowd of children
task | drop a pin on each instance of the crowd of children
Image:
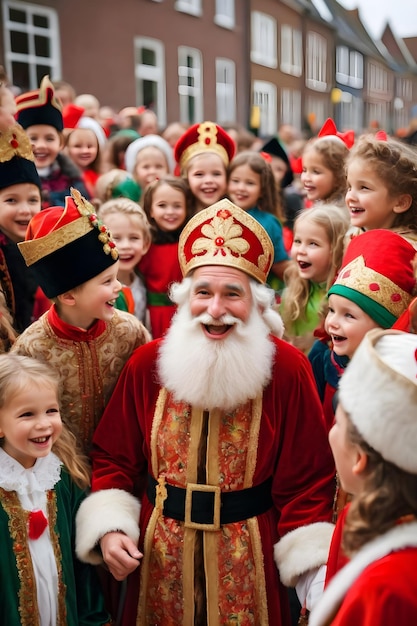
(89, 229)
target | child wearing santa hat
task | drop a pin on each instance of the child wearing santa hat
(374, 441)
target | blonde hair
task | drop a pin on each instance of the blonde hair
(107, 182)
(334, 153)
(132, 209)
(15, 372)
(335, 222)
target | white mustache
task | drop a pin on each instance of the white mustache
(209, 320)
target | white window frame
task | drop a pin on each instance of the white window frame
(264, 39)
(154, 73)
(265, 97)
(291, 51)
(291, 107)
(185, 91)
(349, 67)
(225, 13)
(377, 78)
(316, 62)
(225, 90)
(192, 7)
(30, 58)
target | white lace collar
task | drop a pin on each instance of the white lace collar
(42, 476)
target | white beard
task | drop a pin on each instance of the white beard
(210, 373)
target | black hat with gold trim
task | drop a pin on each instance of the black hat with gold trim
(16, 158)
(40, 107)
(66, 246)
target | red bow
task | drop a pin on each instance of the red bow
(37, 523)
(381, 135)
(329, 128)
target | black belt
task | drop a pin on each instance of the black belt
(205, 507)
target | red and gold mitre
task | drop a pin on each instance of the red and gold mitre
(224, 234)
(203, 138)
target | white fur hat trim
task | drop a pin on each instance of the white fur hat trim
(379, 392)
(145, 142)
(91, 124)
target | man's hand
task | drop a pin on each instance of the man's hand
(120, 554)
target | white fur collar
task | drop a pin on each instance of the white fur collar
(402, 536)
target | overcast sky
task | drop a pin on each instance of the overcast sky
(402, 15)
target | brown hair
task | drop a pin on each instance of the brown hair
(15, 371)
(395, 164)
(176, 182)
(388, 493)
(268, 198)
(333, 153)
(95, 165)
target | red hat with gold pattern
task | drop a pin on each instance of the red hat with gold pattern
(377, 274)
(40, 107)
(203, 138)
(224, 234)
(66, 246)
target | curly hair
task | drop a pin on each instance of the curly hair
(388, 493)
(268, 198)
(335, 223)
(15, 372)
(333, 153)
(395, 164)
(133, 210)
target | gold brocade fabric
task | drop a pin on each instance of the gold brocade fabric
(233, 560)
(18, 518)
(88, 369)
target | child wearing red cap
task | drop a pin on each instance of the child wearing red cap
(40, 114)
(82, 335)
(203, 154)
(372, 290)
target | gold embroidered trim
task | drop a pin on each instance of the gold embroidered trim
(256, 542)
(62, 589)
(18, 521)
(144, 568)
(15, 142)
(18, 517)
(375, 286)
(253, 443)
(36, 249)
(222, 243)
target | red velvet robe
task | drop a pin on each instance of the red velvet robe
(282, 434)
(378, 587)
